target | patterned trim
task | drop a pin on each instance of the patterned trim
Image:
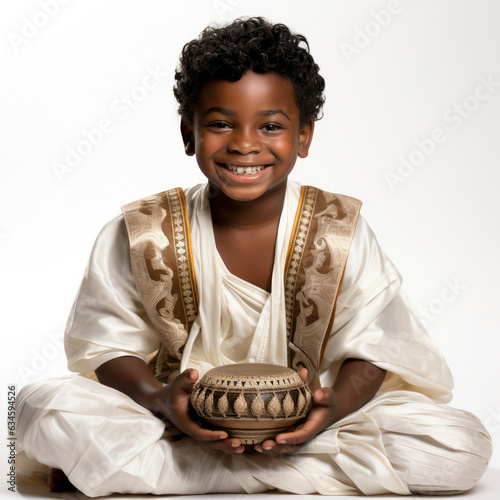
(296, 250)
(162, 264)
(321, 239)
(180, 227)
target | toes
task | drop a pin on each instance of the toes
(58, 481)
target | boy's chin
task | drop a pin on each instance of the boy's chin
(245, 193)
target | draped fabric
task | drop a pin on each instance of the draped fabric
(405, 439)
(236, 317)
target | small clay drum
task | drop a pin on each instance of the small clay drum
(251, 401)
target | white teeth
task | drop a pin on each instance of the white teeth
(238, 169)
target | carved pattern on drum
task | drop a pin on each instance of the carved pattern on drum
(308, 398)
(274, 406)
(253, 402)
(223, 405)
(200, 399)
(301, 402)
(258, 406)
(241, 406)
(209, 404)
(288, 405)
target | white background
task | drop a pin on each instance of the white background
(392, 79)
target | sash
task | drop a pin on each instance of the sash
(317, 254)
(162, 265)
(163, 269)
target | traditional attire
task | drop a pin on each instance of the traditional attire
(406, 439)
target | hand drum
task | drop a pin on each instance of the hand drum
(251, 401)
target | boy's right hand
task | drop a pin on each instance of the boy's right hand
(172, 403)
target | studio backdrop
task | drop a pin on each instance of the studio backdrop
(411, 127)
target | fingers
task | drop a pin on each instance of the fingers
(324, 396)
(303, 374)
(273, 449)
(229, 446)
(193, 429)
(300, 435)
(186, 380)
(319, 418)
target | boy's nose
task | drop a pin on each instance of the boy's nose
(244, 142)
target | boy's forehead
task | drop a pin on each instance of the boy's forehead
(252, 92)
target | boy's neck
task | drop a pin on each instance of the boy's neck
(259, 212)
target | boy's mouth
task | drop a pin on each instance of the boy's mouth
(239, 169)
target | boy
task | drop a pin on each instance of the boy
(248, 268)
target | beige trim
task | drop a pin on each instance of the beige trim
(161, 258)
(320, 245)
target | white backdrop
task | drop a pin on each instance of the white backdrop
(411, 127)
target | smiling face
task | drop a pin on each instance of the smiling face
(246, 135)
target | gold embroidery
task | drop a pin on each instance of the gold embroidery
(319, 248)
(182, 254)
(296, 249)
(161, 261)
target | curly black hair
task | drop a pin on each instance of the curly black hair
(249, 44)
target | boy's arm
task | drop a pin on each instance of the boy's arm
(133, 377)
(357, 382)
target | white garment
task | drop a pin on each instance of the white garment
(399, 441)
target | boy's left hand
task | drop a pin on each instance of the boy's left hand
(322, 414)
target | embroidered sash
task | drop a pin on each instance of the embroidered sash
(317, 256)
(160, 252)
(162, 265)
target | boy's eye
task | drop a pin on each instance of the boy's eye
(272, 127)
(219, 125)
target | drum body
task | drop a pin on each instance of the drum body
(251, 401)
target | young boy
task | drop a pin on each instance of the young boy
(249, 268)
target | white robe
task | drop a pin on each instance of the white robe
(403, 440)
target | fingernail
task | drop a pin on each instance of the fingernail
(268, 448)
(234, 445)
(281, 441)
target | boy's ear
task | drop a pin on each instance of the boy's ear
(187, 138)
(306, 135)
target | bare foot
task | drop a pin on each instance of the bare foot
(59, 482)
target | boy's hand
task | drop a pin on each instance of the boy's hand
(172, 403)
(322, 414)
